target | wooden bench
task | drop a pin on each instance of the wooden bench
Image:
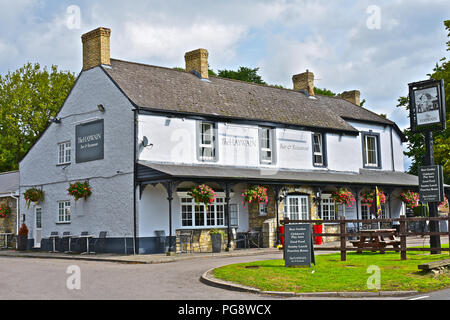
(436, 267)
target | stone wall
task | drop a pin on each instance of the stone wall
(9, 224)
(201, 241)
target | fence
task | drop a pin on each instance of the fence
(403, 233)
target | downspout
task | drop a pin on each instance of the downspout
(134, 180)
(17, 213)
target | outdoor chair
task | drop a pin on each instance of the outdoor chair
(185, 239)
(161, 241)
(239, 237)
(351, 228)
(97, 243)
(79, 243)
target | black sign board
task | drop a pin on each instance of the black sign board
(89, 141)
(298, 245)
(427, 106)
(431, 185)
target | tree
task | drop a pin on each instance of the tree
(416, 144)
(29, 98)
(243, 74)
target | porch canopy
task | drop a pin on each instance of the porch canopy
(149, 172)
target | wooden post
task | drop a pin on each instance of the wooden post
(403, 237)
(343, 242)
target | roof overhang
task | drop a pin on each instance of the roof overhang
(149, 172)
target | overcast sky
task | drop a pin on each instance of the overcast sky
(377, 47)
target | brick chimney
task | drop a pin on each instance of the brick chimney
(304, 81)
(96, 50)
(197, 60)
(352, 96)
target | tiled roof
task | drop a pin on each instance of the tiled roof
(9, 182)
(159, 88)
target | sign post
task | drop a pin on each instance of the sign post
(298, 245)
(428, 114)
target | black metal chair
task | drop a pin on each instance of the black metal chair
(79, 243)
(161, 241)
(96, 243)
(239, 237)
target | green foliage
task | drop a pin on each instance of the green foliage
(29, 98)
(416, 144)
(243, 74)
(324, 92)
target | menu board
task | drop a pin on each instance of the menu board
(431, 188)
(298, 247)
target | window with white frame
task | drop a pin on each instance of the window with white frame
(371, 156)
(234, 215)
(296, 208)
(206, 141)
(265, 145)
(366, 214)
(263, 209)
(64, 211)
(318, 153)
(196, 215)
(64, 152)
(328, 208)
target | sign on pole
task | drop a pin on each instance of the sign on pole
(431, 184)
(298, 245)
(427, 106)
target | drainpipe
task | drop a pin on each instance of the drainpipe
(17, 214)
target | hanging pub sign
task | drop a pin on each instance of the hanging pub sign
(298, 245)
(431, 184)
(427, 106)
(89, 141)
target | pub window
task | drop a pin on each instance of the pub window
(319, 150)
(64, 152)
(234, 215)
(328, 208)
(195, 214)
(206, 140)
(296, 208)
(266, 145)
(371, 150)
(263, 209)
(64, 211)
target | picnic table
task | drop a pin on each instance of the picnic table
(376, 239)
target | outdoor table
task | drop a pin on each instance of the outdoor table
(87, 236)
(70, 236)
(6, 234)
(251, 235)
(374, 240)
(54, 237)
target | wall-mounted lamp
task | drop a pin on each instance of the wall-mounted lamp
(145, 142)
(101, 108)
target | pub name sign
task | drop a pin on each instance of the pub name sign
(89, 141)
(427, 106)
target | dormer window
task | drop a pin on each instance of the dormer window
(319, 150)
(371, 150)
(206, 141)
(266, 145)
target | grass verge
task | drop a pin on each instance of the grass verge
(331, 275)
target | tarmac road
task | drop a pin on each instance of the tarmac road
(30, 278)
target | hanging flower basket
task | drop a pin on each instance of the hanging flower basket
(203, 194)
(80, 190)
(255, 194)
(33, 195)
(343, 196)
(411, 199)
(5, 210)
(367, 197)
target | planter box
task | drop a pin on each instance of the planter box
(22, 242)
(216, 242)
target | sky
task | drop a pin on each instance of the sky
(376, 47)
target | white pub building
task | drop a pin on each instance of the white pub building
(143, 136)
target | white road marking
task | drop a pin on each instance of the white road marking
(418, 298)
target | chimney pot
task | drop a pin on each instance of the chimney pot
(197, 60)
(304, 81)
(352, 96)
(96, 48)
